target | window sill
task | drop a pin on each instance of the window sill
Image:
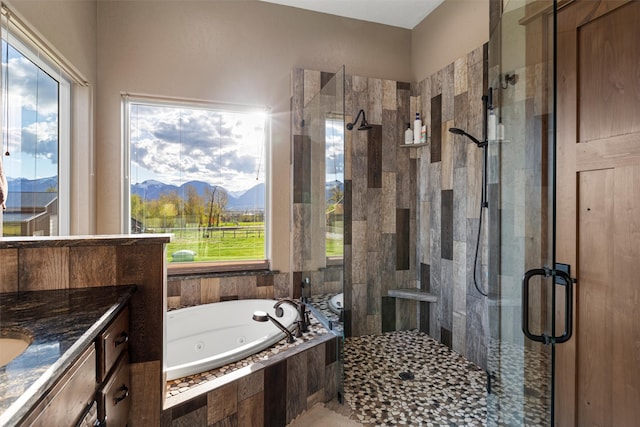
(188, 268)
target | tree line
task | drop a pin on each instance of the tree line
(172, 210)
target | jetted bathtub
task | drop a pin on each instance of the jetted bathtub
(208, 336)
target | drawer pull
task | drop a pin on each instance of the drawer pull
(123, 338)
(125, 393)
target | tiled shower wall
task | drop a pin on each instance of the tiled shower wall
(450, 178)
(411, 213)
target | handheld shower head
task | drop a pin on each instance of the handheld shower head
(364, 125)
(458, 131)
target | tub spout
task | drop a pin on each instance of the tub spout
(261, 316)
(303, 318)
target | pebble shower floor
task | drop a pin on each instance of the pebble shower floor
(446, 389)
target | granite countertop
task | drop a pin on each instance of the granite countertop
(92, 240)
(62, 323)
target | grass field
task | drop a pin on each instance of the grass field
(230, 243)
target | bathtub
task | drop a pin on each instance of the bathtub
(208, 336)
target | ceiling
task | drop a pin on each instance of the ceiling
(398, 13)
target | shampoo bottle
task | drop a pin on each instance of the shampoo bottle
(417, 129)
(408, 134)
(423, 135)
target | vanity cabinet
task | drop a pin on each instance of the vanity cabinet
(95, 389)
(69, 397)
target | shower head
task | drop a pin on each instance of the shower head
(363, 124)
(458, 131)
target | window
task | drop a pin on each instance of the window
(35, 142)
(198, 171)
(334, 184)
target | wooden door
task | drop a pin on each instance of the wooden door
(598, 211)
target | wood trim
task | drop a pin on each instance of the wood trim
(215, 267)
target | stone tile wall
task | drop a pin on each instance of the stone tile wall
(411, 213)
(449, 180)
(183, 291)
(272, 394)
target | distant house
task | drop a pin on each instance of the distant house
(31, 214)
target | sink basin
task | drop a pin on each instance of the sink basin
(12, 344)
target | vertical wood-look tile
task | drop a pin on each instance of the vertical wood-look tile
(222, 402)
(348, 208)
(374, 113)
(374, 157)
(460, 75)
(251, 411)
(388, 314)
(447, 156)
(315, 372)
(146, 395)
(209, 290)
(436, 128)
(43, 268)
(275, 401)
(388, 203)
(311, 85)
(389, 94)
(188, 408)
(92, 266)
(297, 376)
(447, 92)
(460, 204)
(331, 351)
(251, 384)
(403, 217)
(446, 227)
(325, 78)
(460, 121)
(297, 100)
(9, 270)
(190, 292)
(391, 139)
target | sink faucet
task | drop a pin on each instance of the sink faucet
(261, 316)
(303, 316)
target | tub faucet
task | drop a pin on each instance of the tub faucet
(303, 317)
(261, 316)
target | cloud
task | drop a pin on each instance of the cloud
(175, 145)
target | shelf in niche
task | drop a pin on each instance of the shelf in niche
(422, 144)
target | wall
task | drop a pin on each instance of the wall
(412, 213)
(185, 291)
(269, 393)
(449, 32)
(449, 176)
(237, 52)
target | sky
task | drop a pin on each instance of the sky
(31, 115)
(175, 145)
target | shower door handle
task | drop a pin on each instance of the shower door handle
(525, 304)
(568, 312)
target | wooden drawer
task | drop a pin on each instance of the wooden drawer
(113, 399)
(112, 342)
(67, 400)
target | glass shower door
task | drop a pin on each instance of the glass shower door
(527, 285)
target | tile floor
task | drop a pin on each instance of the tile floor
(442, 389)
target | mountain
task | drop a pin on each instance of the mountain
(24, 185)
(252, 199)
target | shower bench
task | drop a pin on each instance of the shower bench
(412, 294)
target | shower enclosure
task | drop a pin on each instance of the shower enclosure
(529, 315)
(319, 177)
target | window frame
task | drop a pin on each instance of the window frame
(196, 267)
(47, 64)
